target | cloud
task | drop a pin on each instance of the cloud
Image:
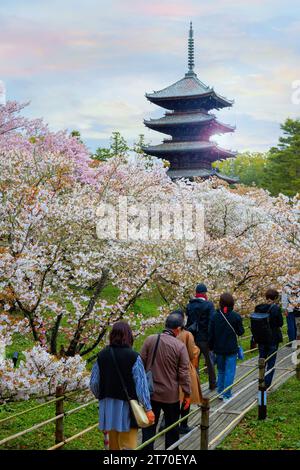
(90, 69)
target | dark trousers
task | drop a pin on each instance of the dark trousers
(264, 352)
(204, 349)
(171, 412)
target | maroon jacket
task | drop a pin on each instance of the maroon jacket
(170, 369)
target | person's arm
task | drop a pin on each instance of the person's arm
(141, 384)
(240, 328)
(95, 380)
(276, 317)
(211, 334)
(188, 316)
(212, 311)
(184, 377)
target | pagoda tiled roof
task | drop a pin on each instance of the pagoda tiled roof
(181, 118)
(189, 146)
(173, 119)
(188, 86)
(179, 146)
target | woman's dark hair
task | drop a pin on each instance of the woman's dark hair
(121, 335)
(272, 294)
(226, 300)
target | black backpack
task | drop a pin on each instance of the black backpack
(260, 327)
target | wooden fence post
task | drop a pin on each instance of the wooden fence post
(204, 424)
(59, 423)
(262, 393)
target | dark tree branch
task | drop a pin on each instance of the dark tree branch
(73, 346)
(54, 334)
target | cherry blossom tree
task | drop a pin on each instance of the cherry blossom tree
(54, 266)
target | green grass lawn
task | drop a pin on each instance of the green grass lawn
(281, 429)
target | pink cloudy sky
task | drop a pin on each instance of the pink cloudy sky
(86, 65)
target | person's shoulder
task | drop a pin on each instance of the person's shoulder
(275, 309)
(188, 334)
(210, 304)
(137, 356)
(237, 315)
(185, 336)
(150, 339)
(103, 350)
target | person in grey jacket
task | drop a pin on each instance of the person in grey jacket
(170, 370)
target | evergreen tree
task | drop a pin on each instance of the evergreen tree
(118, 145)
(118, 148)
(282, 173)
(139, 144)
(102, 154)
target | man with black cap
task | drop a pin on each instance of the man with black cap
(170, 369)
(199, 313)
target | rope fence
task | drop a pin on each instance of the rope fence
(48, 402)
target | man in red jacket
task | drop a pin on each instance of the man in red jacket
(170, 370)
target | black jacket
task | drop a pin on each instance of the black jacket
(222, 340)
(276, 320)
(110, 383)
(200, 311)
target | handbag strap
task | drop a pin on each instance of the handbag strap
(155, 350)
(119, 373)
(237, 338)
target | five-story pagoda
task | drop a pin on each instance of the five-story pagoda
(190, 125)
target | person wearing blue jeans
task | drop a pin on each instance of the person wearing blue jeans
(289, 312)
(226, 372)
(225, 326)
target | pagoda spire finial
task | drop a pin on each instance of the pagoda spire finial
(191, 62)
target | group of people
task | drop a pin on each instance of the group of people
(173, 358)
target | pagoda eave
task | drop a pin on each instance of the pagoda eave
(208, 100)
(168, 124)
(191, 174)
(179, 147)
(180, 120)
(212, 151)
